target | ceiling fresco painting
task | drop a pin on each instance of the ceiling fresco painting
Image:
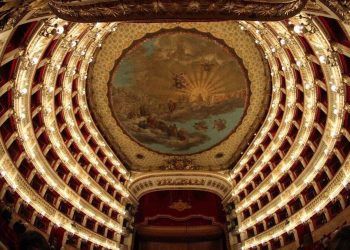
(178, 95)
(179, 92)
(129, 124)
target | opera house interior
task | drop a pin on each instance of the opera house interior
(87, 162)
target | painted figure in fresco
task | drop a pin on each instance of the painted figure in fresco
(180, 81)
(207, 66)
(172, 130)
(202, 126)
(152, 122)
(182, 135)
(171, 106)
(219, 124)
(162, 126)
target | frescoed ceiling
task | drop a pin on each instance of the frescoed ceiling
(88, 112)
(181, 96)
(178, 92)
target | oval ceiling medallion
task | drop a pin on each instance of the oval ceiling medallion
(179, 91)
(182, 95)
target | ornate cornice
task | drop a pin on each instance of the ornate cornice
(180, 219)
(211, 182)
(11, 12)
(178, 10)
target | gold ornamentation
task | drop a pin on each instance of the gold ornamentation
(13, 11)
(181, 182)
(165, 11)
(340, 8)
(180, 205)
(179, 163)
(146, 183)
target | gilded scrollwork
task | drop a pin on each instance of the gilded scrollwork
(179, 163)
(11, 12)
(202, 181)
(90, 11)
(180, 182)
(340, 7)
(180, 205)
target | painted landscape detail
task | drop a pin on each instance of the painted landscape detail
(178, 92)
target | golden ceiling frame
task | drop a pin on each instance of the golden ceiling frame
(176, 10)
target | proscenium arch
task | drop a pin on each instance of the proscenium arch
(202, 181)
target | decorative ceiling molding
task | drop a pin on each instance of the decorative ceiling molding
(207, 181)
(178, 10)
(11, 12)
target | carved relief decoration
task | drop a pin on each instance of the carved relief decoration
(148, 220)
(165, 10)
(180, 205)
(179, 163)
(207, 181)
(11, 12)
(340, 8)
